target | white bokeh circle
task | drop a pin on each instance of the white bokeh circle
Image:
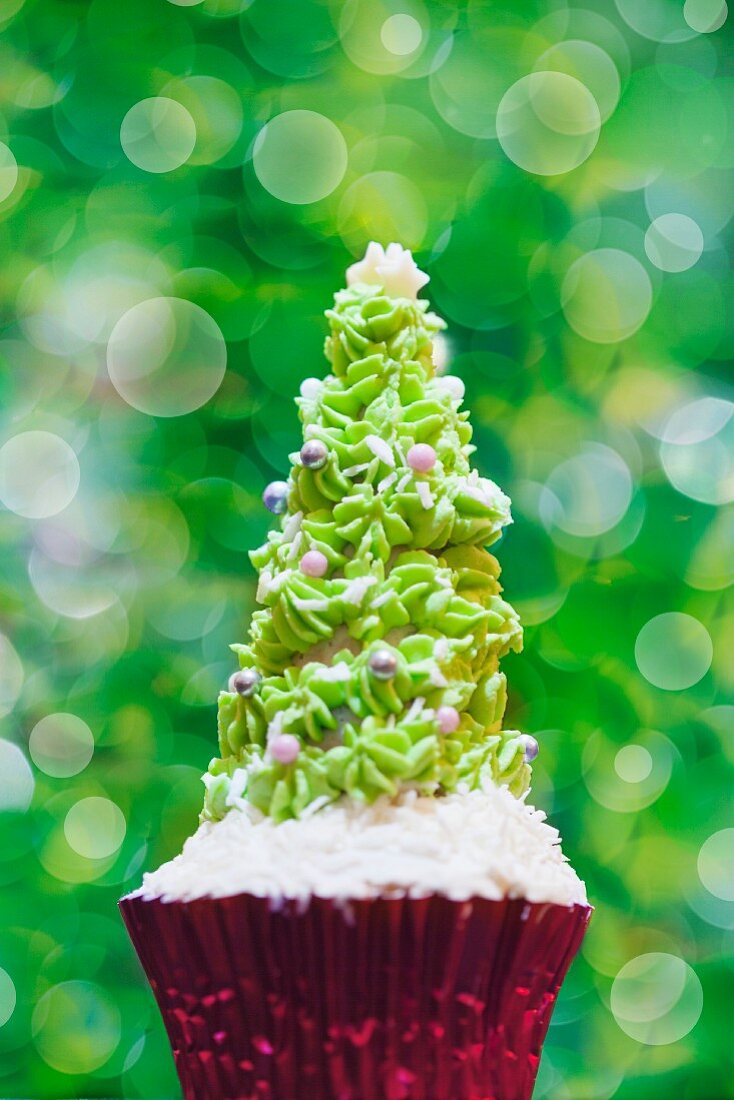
(705, 16)
(166, 357)
(606, 295)
(158, 134)
(16, 779)
(7, 997)
(658, 20)
(39, 474)
(548, 123)
(217, 111)
(697, 450)
(587, 494)
(94, 827)
(673, 651)
(716, 864)
(696, 421)
(674, 242)
(656, 998)
(11, 676)
(633, 763)
(589, 64)
(401, 34)
(61, 745)
(300, 157)
(627, 778)
(389, 38)
(711, 567)
(8, 171)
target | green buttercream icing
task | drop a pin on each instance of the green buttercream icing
(407, 571)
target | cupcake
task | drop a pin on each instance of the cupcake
(369, 909)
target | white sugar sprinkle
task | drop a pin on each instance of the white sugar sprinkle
(386, 482)
(350, 471)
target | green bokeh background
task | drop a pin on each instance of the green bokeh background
(595, 355)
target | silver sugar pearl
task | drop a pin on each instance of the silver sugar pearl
(245, 681)
(314, 454)
(383, 664)
(531, 748)
(275, 497)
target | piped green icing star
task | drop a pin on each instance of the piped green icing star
(408, 616)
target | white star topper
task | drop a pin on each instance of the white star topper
(392, 268)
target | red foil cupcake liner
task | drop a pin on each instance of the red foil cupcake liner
(383, 999)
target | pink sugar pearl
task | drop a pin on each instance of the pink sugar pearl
(314, 563)
(448, 719)
(284, 748)
(421, 458)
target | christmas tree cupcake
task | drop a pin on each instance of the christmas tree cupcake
(369, 909)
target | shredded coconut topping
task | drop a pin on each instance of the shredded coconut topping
(476, 493)
(360, 468)
(482, 843)
(310, 605)
(424, 492)
(264, 585)
(292, 526)
(386, 482)
(380, 449)
(335, 673)
(275, 726)
(381, 599)
(237, 786)
(268, 583)
(355, 590)
(415, 708)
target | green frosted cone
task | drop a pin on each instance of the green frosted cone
(404, 614)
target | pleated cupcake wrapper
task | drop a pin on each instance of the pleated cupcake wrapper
(384, 999)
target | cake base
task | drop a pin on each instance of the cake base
(375, 999)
